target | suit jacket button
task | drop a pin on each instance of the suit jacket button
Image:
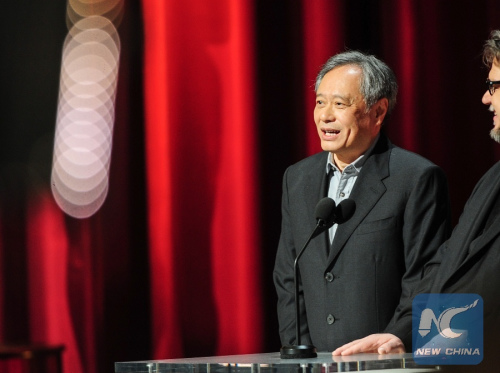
(330, 319)
(329, 277)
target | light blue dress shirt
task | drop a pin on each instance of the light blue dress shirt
(341, 183)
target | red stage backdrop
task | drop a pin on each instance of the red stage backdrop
(201, 175)
(178, 262)
(323, 22)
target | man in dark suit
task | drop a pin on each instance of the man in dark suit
(469, 262)
(354, 277)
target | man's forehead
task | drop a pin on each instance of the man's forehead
(342, 79)
(494, 73)
(344, 70)
(352, 69)
(332, 95)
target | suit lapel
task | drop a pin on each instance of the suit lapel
(314, 187)
(314, 190)
(368, 189)
(479, 243)
(473, 242)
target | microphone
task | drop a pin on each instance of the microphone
(327, 214)
(344, 211)
(324, 212)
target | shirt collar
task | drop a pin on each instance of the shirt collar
(357, 164)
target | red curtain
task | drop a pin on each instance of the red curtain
(202, 178)
(178, 262)
(323, 37)
(50, 286)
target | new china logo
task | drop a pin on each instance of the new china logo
(447, 329)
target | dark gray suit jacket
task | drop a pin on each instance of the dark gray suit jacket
(469, 262)
(353, 288)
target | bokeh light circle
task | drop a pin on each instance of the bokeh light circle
(86, 108)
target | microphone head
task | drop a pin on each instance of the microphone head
(345, 210)
(325, 209)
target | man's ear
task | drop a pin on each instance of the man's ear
(381, 108)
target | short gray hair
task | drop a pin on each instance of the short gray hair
(377, 81)
(491, 49)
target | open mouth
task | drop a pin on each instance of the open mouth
(330, 132)
(491, 109)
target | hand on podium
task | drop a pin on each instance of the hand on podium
(375, 343)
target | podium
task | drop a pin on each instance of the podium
(272, 363)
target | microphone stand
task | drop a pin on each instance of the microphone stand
(299, 351)
(326, 218)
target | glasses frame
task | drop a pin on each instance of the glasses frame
(490, 85)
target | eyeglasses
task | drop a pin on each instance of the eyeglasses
(490, 85)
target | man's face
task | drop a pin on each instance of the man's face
(494, 100)
(345, 126)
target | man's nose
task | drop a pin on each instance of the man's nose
(486, 98)
(327, 115)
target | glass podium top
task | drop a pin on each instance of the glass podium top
(272, 363)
